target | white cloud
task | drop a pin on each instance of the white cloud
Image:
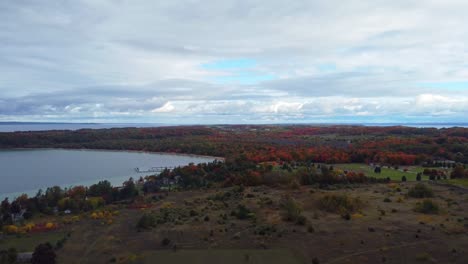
(143, 59)
(166, 108)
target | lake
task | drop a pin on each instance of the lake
(27, 171)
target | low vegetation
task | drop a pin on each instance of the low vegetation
(420, 190)
(292, 210)
(8, 256)
(427, 206)
(340, 203)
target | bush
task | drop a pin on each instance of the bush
(291, 208)
(427, 207)
(301, 220)
(341, 204)
(193, 213)
(420, 191)
(165, 242)
(146, 221)
(243, 212)
(44, 253)
(8, 256)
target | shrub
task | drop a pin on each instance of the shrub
(341, 204)
(8, 256)
(146, 221)
(403, 178)
(60, 243)
(301, 220)
(265, 230)
(10, 229)
(292, 209)
(193, 213)
(346, 216)
(165, 242)
(44, 253)
(427, 207)
(420, 191)
(243, 212)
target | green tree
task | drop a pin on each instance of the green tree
(129, 190)
(44, 254)
(418, 177)
(102, 188)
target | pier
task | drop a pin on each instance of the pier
(153, 169)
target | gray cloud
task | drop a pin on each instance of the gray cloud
(121, 60)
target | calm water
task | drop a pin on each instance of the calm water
(26, 171)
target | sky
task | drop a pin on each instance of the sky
(234, 61)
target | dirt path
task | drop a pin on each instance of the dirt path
(336, 260)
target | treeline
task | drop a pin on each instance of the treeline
(57, 200)
(334, 144)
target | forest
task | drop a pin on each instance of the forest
(269, 143)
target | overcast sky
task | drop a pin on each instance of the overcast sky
(224, 61)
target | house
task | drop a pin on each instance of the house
(19, 216)
(24, 257)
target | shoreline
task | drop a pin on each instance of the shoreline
(13, 195)
(122, 150)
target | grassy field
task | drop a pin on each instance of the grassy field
(393, 174)
(226, 256)
(461, 182)
(27, 242)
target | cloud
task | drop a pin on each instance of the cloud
(233, 60)
(166, 108)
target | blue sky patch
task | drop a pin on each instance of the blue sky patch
(327, 67)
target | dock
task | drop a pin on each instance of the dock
(153, 169)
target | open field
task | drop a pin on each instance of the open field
(393, 174)
(459, 182)
(383, 229)
(225, 256)
(27, 242)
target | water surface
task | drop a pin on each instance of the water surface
(26, 171)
